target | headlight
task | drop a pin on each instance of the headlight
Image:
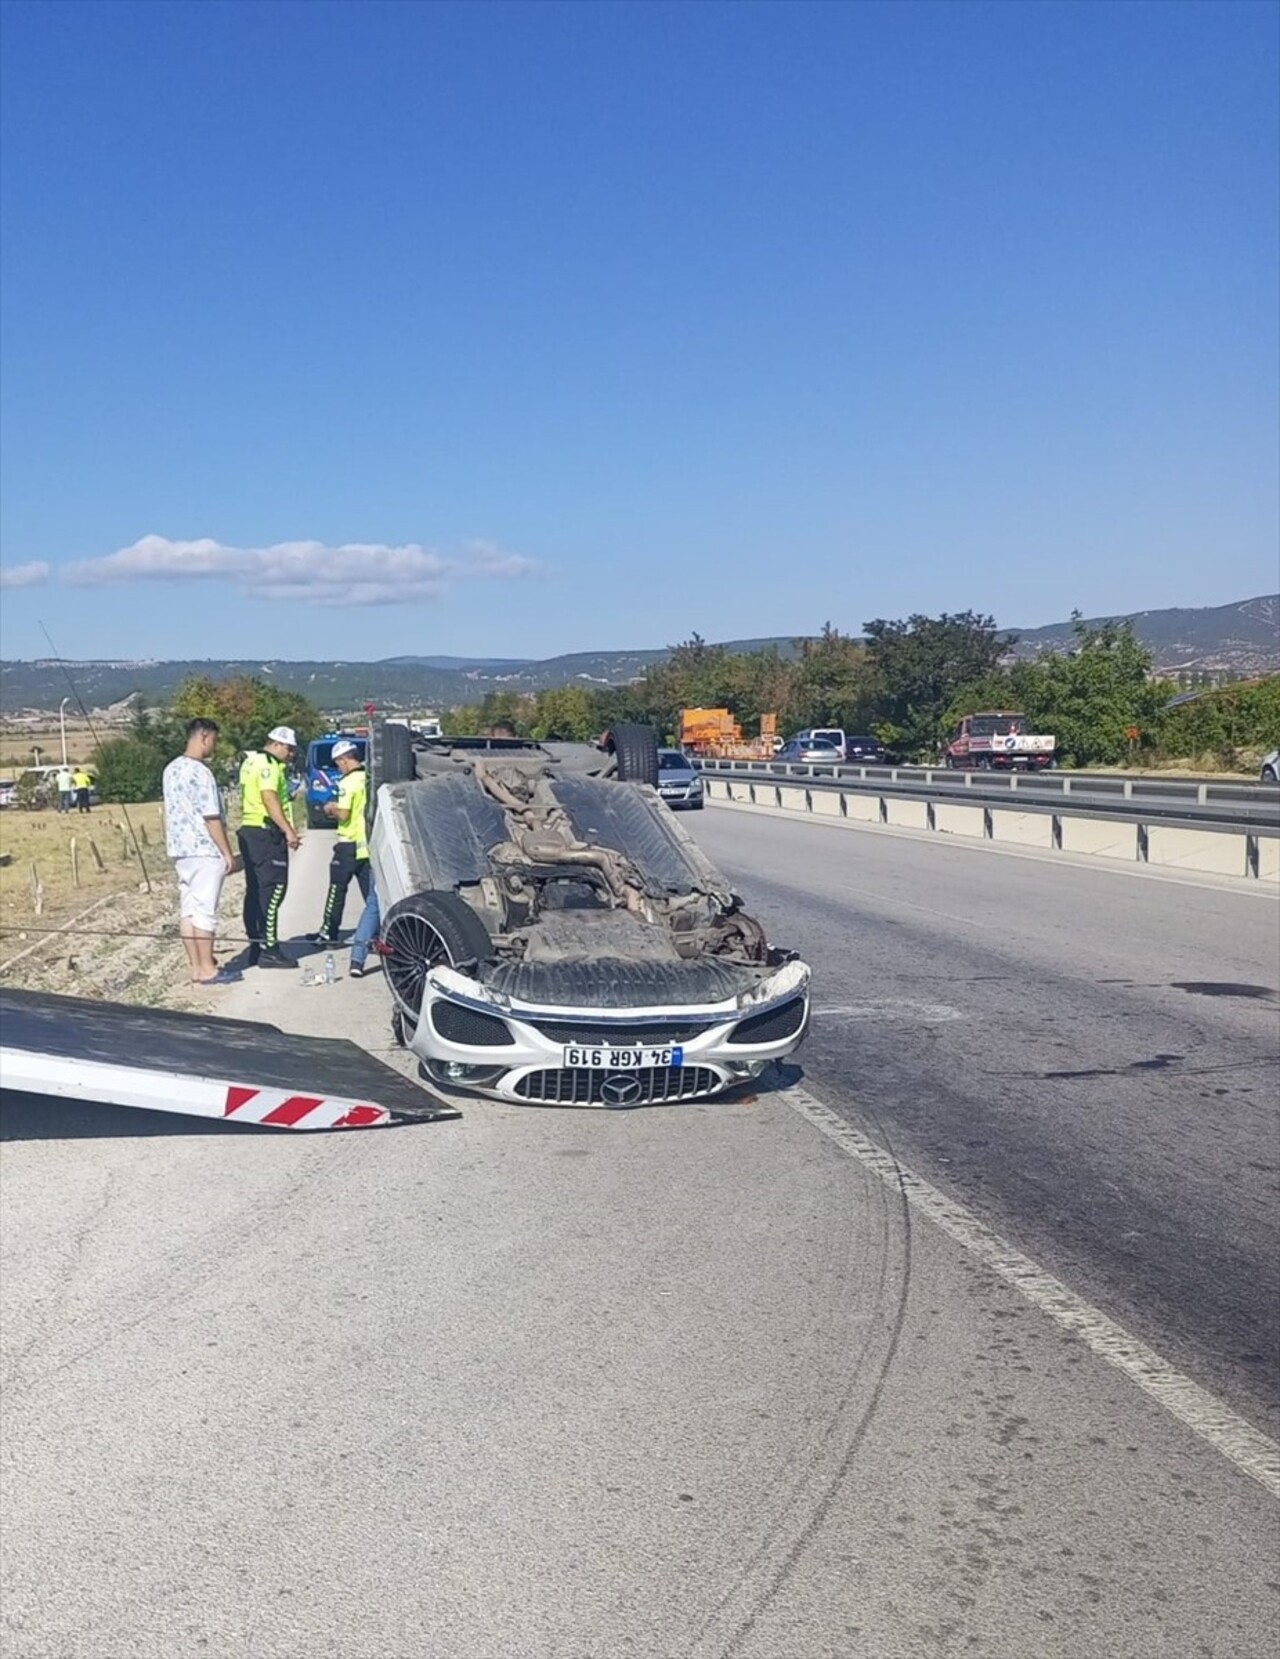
(454, 984)
(786, 982)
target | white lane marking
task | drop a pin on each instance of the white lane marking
(1253, 1452)
(926, 1013)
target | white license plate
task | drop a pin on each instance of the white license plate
(621, 1059)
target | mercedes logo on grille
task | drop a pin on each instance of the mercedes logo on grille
(620, 1090)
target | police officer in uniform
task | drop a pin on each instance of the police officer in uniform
(351, 845)
(266, 838)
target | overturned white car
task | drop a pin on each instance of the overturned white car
(551, 933)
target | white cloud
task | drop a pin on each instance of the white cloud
(24, 576)
(307, 572)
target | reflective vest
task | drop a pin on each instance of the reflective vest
(353, 793)
(257, 773)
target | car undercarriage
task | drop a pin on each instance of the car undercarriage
(551, 933)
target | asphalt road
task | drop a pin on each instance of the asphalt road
(555, 1384)
(1089, 1058)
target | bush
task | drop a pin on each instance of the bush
(129, 769)
(1230, 725)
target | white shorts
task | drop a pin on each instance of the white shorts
(199, 889)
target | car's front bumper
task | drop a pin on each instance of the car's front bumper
(679, 796)
(460, 1020)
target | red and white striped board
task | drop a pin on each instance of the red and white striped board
(299, 1111)
(168, 1091)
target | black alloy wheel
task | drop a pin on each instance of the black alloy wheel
(425, 931)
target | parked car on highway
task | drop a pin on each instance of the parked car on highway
(805, 749)
(679, 781)
(1271, 767)
(322, 776)
(864, 751)
(834, 735)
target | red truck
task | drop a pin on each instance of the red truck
(998, 740)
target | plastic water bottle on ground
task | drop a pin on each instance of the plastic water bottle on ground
(330, 973)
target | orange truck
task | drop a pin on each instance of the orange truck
(714, 734)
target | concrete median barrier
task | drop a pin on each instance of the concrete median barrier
(1100, 838)
(949, 819)
(1243, 854)
(1022, 829)
(1189, 849)
(905, 814)
(862, 809)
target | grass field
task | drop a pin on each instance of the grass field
(107, 926)
(46, 842)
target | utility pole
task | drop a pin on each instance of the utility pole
(62, 726)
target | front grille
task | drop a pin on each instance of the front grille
(620, 1035)
(580, 1087)
(457, 1023)
(771, 1026)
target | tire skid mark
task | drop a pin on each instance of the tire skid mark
(722, 1631)
(1254, 1453)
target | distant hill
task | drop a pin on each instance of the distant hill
(1240, 638)
(452, 662)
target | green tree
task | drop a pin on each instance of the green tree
(246, 709)
(565, 713)
(128, 769)
(1230, 724)
(1090, 698)
(461, 722)
(832, 684)
(1098, 693)
(503, 708)
(920, 666)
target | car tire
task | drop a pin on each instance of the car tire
(428, 930)
(316, 818)
(389, 758)
(635, 749)
(390, 754)
(1270, 775)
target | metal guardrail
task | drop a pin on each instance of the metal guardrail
(1193, 803)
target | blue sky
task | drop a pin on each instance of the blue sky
(362, 329)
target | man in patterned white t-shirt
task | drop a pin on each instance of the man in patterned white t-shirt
(196, 840)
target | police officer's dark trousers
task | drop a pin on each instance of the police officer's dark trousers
(266, 878)
(344, 867)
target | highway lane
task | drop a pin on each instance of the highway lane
(555, 1384)
(1089, 1058)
